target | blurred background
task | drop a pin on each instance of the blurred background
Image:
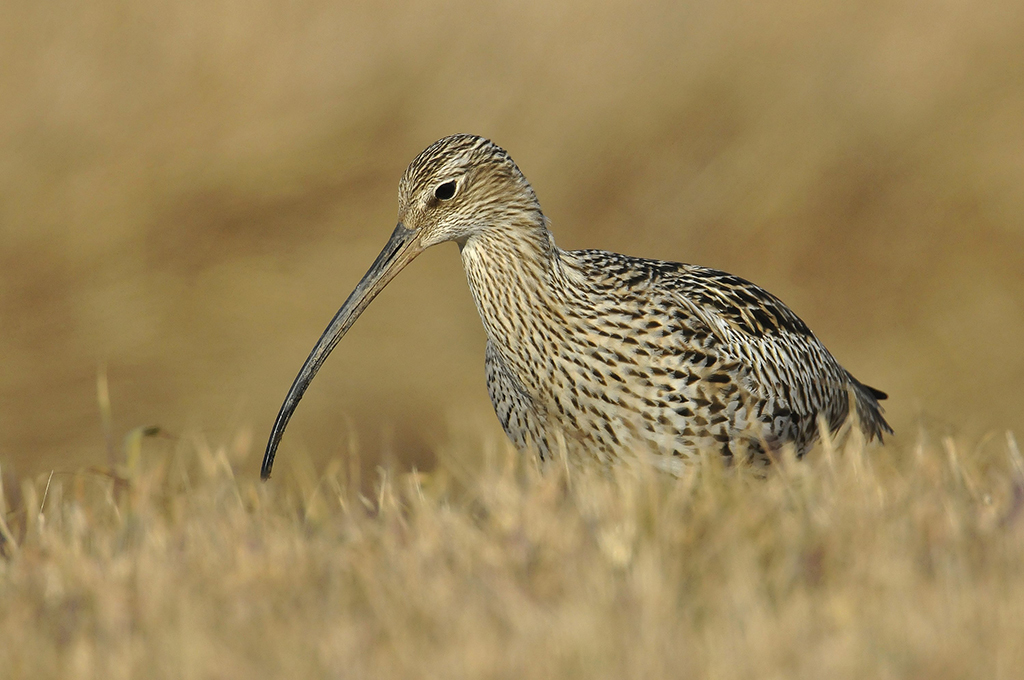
(189, 190)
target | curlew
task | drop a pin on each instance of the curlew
(600, 352)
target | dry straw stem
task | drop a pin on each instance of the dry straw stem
(852, 563)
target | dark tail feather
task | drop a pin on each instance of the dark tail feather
(877, 394)
(868, 409)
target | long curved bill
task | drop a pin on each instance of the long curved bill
(403, 246)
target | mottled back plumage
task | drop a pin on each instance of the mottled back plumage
(603, 352)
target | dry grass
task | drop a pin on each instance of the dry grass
(854, 563)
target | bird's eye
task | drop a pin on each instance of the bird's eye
(445, 191)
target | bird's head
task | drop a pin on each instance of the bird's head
(456, 188)
(460, 186)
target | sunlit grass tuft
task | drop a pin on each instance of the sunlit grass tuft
(852, 563)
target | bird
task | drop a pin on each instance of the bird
(599, 354)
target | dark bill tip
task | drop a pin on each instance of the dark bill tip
(401, 249)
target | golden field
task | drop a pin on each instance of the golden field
(855, 563)
(189, 191)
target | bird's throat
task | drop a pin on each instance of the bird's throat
(513, 274)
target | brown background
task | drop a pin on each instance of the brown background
(188, 193)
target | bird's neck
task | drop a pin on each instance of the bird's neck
(514, 274)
